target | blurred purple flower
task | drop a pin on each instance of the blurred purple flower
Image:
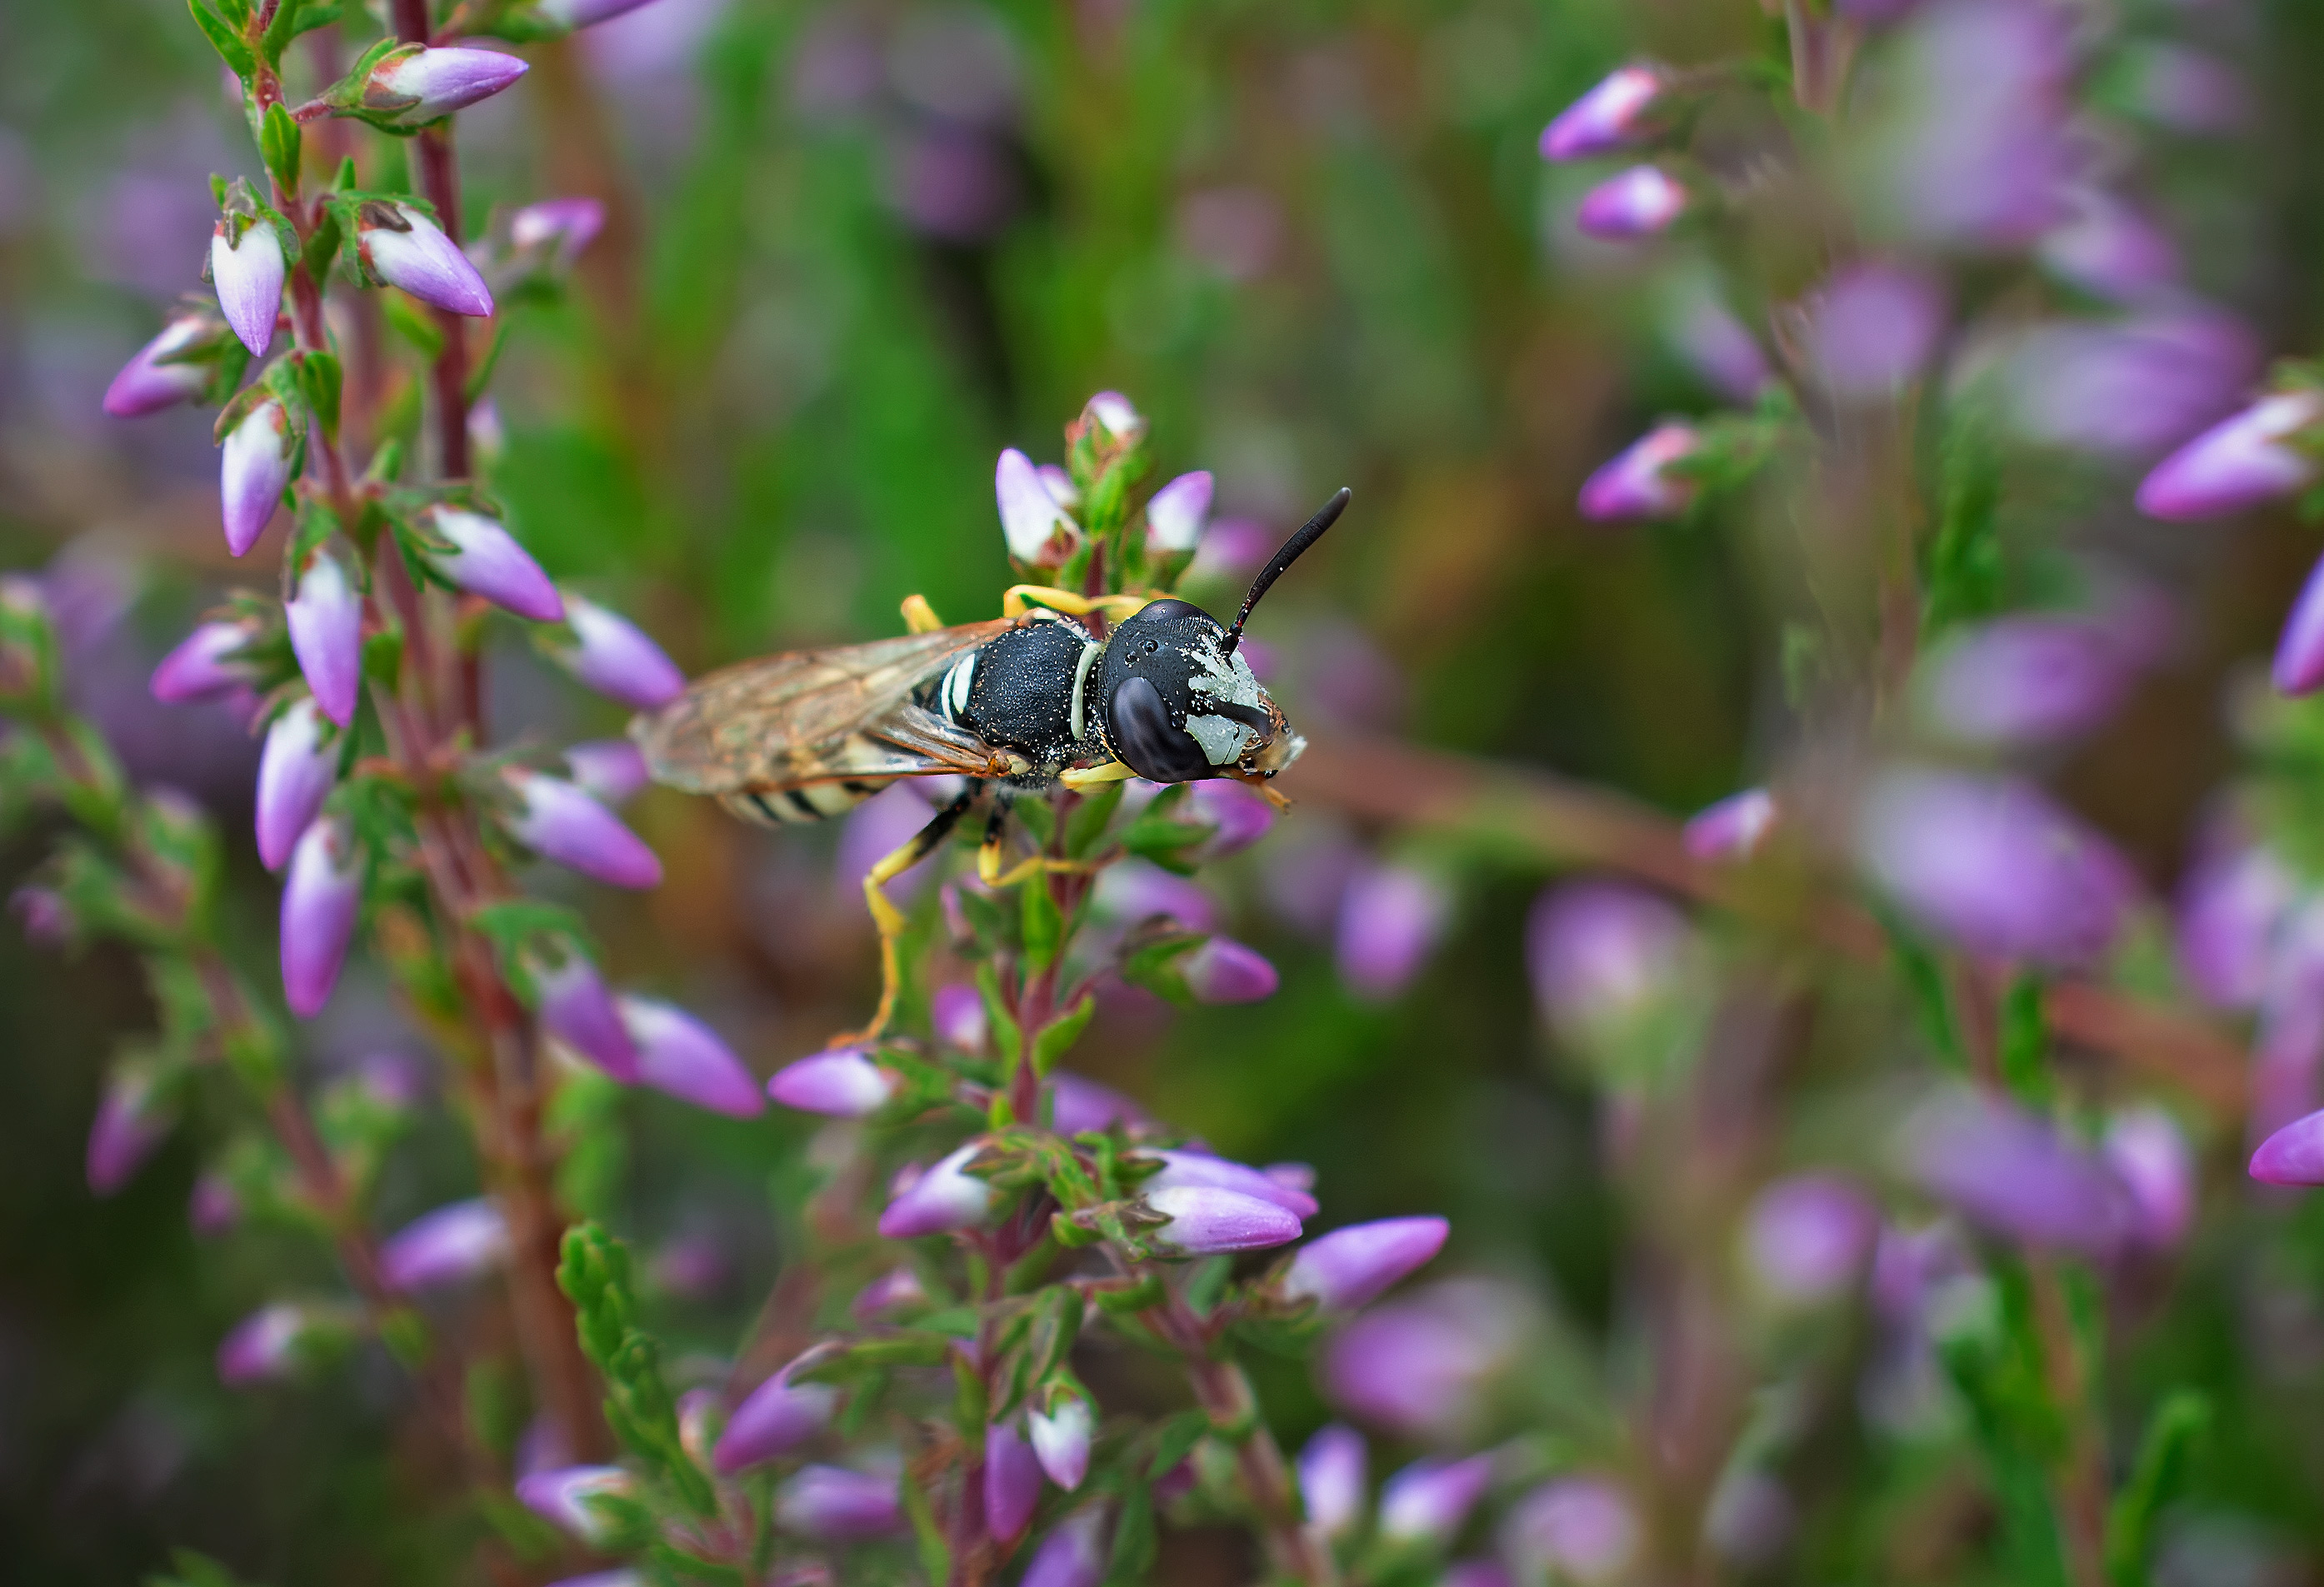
(214, 1209)
(897, 1290)
(2189, 91)
(450, 1245)
(1807, 1238)
(265, 1347)
(843, 1082)
(1222, 970)
(578, 1011)
(295, 772)
(1633, 485)
(1640, 202)
(956, 1013)
(939, 1200)
(1749, 1518)
(1871, 328)
(1031, 521)
(558, 821)
(1583, 1529)
(2292, 1155)
(2288, 1043)
(2150, 1155)
(694, 1267)
(1731, 830)
(951, 183)
(831, 1504)
(485, 559)
(564, 226)
(1613, 115)
(874, 829)
(1390, 917)
(1601, 952)
(2238, 462)
(1719, 346)
(248, 277)
(1013, 1482)
(613, 655)
(1074, 1553)
(325, 619)
(1238, 815)
(611, 771)
(206, 664)
(1183, 1168)
(563, 1496)
(1061, 1439)
(1995, 866)
(678, 1054)
(1353, 1267)
(1078, 1104)
(47, 919)
(1206, 1221)
(2025, 682)
(774, 1418)
(1176, 513)
(581, 13)
(1238, 232)
(403, 247)
(2299, 666)
(1332, 1479)
(321, 900)
(1419, 1365)
(1429, 1499)
(133, 1119)
(2071, 382)
(253, 470)
(2110, 251)
(171, 368)
(1138, 890)
(2230, 909)
(2004, 1168)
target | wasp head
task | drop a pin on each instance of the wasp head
(1176, 704)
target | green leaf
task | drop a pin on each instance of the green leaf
(412, 323)
(1134, 1539)
(1006, 1038)
(1175, 1440)
(1924, 977)
(1038, 818)
(2024, 1042)
(1056, 1324)
(936, 1554)
(319, 380)
(1058, 1037)
(1044, 924)
(1087, 824)
(2177, 1425)
(279, 139)
(223, 38)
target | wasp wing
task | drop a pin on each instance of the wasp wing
(813, 715)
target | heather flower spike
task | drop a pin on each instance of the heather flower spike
(844, 1082)
(321, 899)
(613, 655)
(253, 470)
(474, 553)
(558, 821)
(1639, 203)
(1611, 117)
(296, 772)
(417, 84)
(401, 247)
(678, 1054)
(246, 269)
(1353, 1267)
(325, 617)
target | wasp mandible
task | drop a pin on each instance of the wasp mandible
(1029, 702)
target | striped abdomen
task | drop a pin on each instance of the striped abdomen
(809, 802)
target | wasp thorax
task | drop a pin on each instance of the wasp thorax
(1176, 707)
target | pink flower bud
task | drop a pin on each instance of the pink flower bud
(325, 617)
(485, 560)
(831, 1504)
(2026, 681)
(1239, 816)
(2293, 1155)
(1175, 515)
(957, 1014)
(1580, 1529)
(775, 1418)
(1353, 1267)
(563, 1497)
(1732, 828)
(2239, 462)
(613, 655)
(248, 277)
(1610, 117)
(2299, 666)
(563, 226)
(1182, 1169)
(1871, 328)
(444, 1247)
(943, 1198)
(576, 1010)
(1078, 1104)
(679, 1054)
(1206, 1220)
(896, 1291)
(422, 84)
(1073, 1555)
(1332, 1479)
(1391, 917)
(174, 367)
(2005, 1169)
(1429, 1500)
(213, 1209)
(207, 664)
(1117, 415)
(403, 248)
(296, 772)
(611, 771)
(253, 470)
(1222, 970)
(1035, 527)
(131, 1124)
(558, 821)
(321, 901)
(267, 1346)
(1640, 202)
(2149, 1154)
(1013, 1482)
(844, 1083)
(1061, 1440)
(1634, 485)
(1807, 1238)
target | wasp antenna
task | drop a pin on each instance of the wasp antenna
(1308, 534)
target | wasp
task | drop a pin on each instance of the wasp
(1045, 696)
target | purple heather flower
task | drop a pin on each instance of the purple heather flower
(2149, 1154)
(564, 225)
(1183, 1169)
(1732, 828)
(1640, 202)
(2064, 380)
(1353, 1267)
(897, 1290)
(1582, 1530)
(1036, 528)
(321, 900)
(693, 1267)
(576, 1009)
(174, 367)
(1600, 952)
(1610, 117)
(1722, 349)
(1239, 816)
(450, 1245)
(253, 470)
(265, 1347)
(132, 1122)
(1871, 328)
(957, 1014)
(403, 247)
(1061, 1440)
(1206, 1220)
(678, 1054)
(1137, 890)
(436, 81)
(1633, 486)
(2008, 1171)
(831, 1504)
(1995, 866)
(613, 655)
(1419, 1364)
(1429, 1499)
(1390, 917)
(1062, 489)
(1117, 417)
(774, 1419)
(2292, 1155)
(2230, 909)
(48, 919)
(1237, 231)
(296, 772)
(582, 14)
(2299, 666)
(1807, 1238)
(1077, 1105)
(558, 821)
(940, 1199)
(1222, 970)
(1178, 510)
(2109, 250)
(1013, 1482)
(325, 617)
(2239, 462)
(844, 1082)
(213, 1208)
(1074, 1553)
(248, 277)
(563, 1496)
(485, 560)
(2024, 681)
(1332, 1479)
(207, 665)
(2189, 91)
(2289, 1041)
(611, 771)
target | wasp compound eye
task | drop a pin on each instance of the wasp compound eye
(1147, 742)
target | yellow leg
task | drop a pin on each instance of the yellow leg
(1080, 778)
(1019, 597)
(919, 617)
(890, 920)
